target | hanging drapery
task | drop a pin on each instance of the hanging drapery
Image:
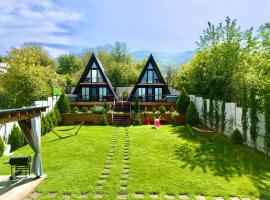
(32, 134)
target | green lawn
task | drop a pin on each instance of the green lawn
(166, 161)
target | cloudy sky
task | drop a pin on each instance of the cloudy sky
(155, 25)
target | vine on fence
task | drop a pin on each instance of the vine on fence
(244, 112)
(253, 116)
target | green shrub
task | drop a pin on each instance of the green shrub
(217, 115)
(223, 116)
(137, 120)
(162, 109)
(75, 109)
(192, 116)
(2, 147)
(244, 119)
(267, 123)
(43, 125)
(253, 116)
(172, 109)
(182, 102)
(84, 109)
(125, 96)
(98, 110)
(211, 112)
(103, 120)
(58, 116)
(204, 111)
(136, 105)
(63, 104)
(106, 107)
(16, 139)
(174, 115)
(237, 137)
(50, 122)
(54, 118)
(154, 110)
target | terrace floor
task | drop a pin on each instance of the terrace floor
(140, 162)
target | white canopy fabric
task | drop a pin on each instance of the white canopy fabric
(32, 134)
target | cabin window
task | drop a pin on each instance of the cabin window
(85, 93)
(158, 94)
(150, 94)
(150, 76)
(142, 93)
(94, 76)
(102, 93)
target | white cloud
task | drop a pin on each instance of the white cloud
(34, 21)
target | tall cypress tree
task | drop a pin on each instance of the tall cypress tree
(253, 116)
(244, 103)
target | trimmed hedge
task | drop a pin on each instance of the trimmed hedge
(182, 102)
(16, 139)
(192, 116)
(162, 109)
(237, 137)
(63, 104)
(103, 120)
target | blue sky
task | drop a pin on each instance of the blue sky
(154, 25)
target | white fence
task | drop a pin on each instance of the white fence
(5, 129)
(233, 120)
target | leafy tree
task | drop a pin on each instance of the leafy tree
(63, 104)
(16, 139)
(223, 116)
(192, 116)
(136, 105)
(267, 123)
(69, 64)
(244, 118)
(217, 115)
(182, 102)
(204, 110)
(119, 52)
(253, 116)
(211, 112)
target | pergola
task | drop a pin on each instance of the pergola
(29, 119)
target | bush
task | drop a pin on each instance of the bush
(136, 105)
(16, 139)
(192, 116)
(103, 120)
(162, 109)
(54, 118)
(172, 109)
(211, 112)
(50, 122)
(58, 116)
(174, 115)
(75, 109)
(84, 109)
(237, 137)
(63, 104)
(154, 110)
(217, 115)
(182, 102)
(125, 96)
(253, 116)
(106, 107)
(98, 110)
(137, 120)
(204, 111)
(43, 125)
(2, 147)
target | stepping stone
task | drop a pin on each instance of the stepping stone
(138, 196)
(183, 196)
(126, 167)
(66, 196)
(35, 195)
(105, 176)
(123, 187)
(219, 198)
(259, 198)
(108, 161)
(125, 175)
(125, 171)
(169, 196)
(106, 170)
(122, 196)
(99, 187)
(235, 198)
(108, 166)
(246, 198)
(105, 173)
(98, 196)
(200, 197)
(52, 194)
(154, 196)
(83, 196)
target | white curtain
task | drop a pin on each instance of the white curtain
(36, 135)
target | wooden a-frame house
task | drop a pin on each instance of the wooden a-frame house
(150, 86)
(94, 85)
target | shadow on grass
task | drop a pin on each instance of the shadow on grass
(217, 154)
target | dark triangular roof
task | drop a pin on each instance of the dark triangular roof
(151, 61)
(94, 59)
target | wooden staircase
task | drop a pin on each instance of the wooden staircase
(121, 114)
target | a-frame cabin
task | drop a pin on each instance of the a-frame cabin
(94, 85)
(150, 86)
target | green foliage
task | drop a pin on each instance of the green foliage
(217, 115)
(223, 116)
(98, 110)
(267, 123)
(192, 115)
(44, 125)
(84, 109)
(162, 109)
(50, 122)
(172, 109)
(137, 120)
(54, 118)
(211, 112)
(244, 120)
(204, 110)
(2, 146)
(103, 120)
(154, 110)
(182, 102)
(237, 137)
(125, 96)
(69, 64)
(253, 116)
(16, 139)
(58, 116)
(75, 109)
(174, 115)
(136, 105)
(106, 107)
(63, 104)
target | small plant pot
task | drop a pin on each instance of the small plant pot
(182, 118)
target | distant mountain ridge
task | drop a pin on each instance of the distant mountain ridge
(164, 59)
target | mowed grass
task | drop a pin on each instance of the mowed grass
(167, 161)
